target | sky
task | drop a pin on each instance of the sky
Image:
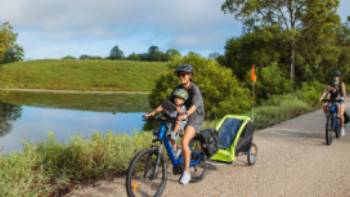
(56, 28)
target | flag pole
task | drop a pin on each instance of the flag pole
(253, 115)
(253, 79)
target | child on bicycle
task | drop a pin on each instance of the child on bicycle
(176, 125)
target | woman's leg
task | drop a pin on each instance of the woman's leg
(190, 132)
(341, 113)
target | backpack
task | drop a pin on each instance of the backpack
(209, 141)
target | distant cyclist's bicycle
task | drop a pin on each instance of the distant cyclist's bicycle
(147, 172)
(333, 121)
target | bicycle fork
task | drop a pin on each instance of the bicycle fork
(156, 167)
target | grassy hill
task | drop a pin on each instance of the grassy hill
(81, 75)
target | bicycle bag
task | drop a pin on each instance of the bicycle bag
(346, 117)
(209, 141)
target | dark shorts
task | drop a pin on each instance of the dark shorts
(196, 122)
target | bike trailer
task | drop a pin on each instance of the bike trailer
(235, 135)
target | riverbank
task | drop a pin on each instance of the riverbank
(79, 100)
(81, 75)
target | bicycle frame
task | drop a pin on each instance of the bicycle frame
(333, 110)
(162, 137)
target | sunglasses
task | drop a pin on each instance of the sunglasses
(182, 74)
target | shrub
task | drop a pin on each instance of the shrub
(278, 109)
(310, 92)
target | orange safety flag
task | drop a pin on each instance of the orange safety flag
(253, 74)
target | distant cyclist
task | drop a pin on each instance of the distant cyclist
(336, 89)
(194, 114)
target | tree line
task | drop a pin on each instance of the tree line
(153, 54)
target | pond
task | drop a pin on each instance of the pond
(31, 116)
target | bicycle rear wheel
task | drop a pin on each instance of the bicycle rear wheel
(198, 172)
(145, 177)
(329, 131)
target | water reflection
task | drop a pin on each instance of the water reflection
(35, 123)
(8, 114)
(31, 116)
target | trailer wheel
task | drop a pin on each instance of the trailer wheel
(252, 154)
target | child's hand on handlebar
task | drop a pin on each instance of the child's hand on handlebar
(148, 115)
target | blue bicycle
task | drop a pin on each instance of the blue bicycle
(147, 172)
(333, 121)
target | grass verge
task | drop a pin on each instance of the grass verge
(44, 169)
(102, 75)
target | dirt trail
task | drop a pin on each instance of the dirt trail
(293, 160)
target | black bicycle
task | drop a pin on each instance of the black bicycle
(333, 121)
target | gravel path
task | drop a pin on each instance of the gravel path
(293, 160)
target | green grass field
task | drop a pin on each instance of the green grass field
(101, 75)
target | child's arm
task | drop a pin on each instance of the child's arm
(154, 112)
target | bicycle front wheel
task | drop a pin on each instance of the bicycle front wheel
(337, 127)
(329, 131)
(146, 174)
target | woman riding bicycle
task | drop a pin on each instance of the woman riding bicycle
(195, 114)
(336, 90)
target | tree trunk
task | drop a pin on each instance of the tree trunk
(292, 63)
(292, 18)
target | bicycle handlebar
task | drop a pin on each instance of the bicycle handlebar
(332, 100)
(158, 118)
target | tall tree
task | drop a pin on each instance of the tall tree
(116, 53)
(317, 43)
(154, 54)
(10, 51)
(173, 52)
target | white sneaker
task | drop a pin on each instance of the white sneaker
(342, 132)
(186, 178)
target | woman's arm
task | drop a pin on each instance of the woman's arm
(323, 95)
(191, 110)
(343, 87)
(184, 116)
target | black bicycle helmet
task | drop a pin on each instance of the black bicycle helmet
(187, 68)
(337, 73)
